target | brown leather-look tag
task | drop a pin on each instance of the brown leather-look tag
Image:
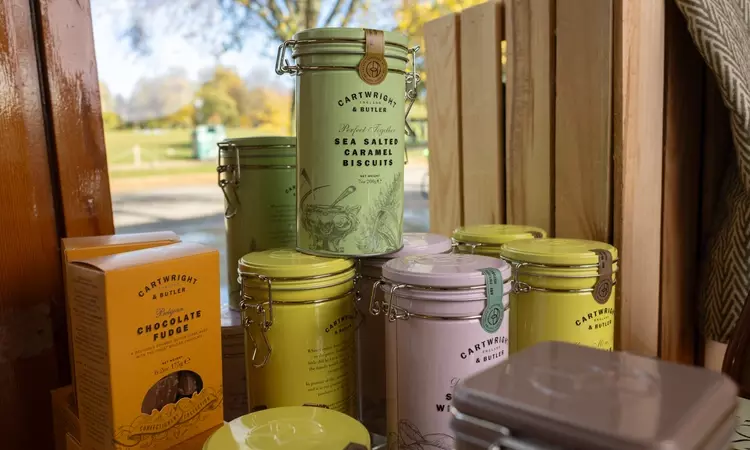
(603, 287)
(353, 446)
(373, 67)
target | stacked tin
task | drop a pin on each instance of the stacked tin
(357, 318)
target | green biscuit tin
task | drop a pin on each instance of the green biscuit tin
(257, 176)
(351, 90)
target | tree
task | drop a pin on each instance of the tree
(159, 97)
(229, 26)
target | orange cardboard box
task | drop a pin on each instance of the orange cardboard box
(80, 248)
(68, 431)
(147, 343)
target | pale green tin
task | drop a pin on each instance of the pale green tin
(350, 139)
(257, 176)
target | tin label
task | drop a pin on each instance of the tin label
(603, 287)
(426, 359)
(373, 68)
(350, 164)
(577, 318)
(312, 359)
(492, 316)
(265, 219)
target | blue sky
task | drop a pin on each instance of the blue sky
(120, 68)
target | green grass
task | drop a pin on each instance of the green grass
(170, 152)
(167, 145)
(172, 148)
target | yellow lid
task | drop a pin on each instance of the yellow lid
(291, 428)
(289, 263)
(553, 251)
(496, 233)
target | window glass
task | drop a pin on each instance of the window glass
(178, 76)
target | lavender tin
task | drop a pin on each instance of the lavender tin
(446, 320)
(371, 333)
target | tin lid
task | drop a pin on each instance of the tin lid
(260, 141)
(291, 428)
(289, 263)
(496, 233)
(446, 270)
(391, 37)
(554, 251)
(414, 244)
(589, 398)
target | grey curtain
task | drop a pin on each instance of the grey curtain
(721, 31)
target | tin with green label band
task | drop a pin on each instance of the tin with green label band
(563, 290)
(300, 321)
(258, 178)
(351, 90)
(487, 239)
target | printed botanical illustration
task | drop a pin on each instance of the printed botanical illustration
(410, 438)
(330, 224)
(383, 220)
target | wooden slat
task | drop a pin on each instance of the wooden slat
(638, 119)
(683, 114)
(75, 107)
(74, 114)
(30, 272)
(529, 112)
(481, 114)
(583, 120)
(444, 120)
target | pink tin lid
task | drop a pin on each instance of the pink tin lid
(414, 244)
(423, 244)
(444, 270)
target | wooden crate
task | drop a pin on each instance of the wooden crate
(591, 129)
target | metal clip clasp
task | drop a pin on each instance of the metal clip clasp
(412, 84)
(232, 179)
(282, 65)
(394, 311)
(264, 322)
(519, 287)
(360, 318)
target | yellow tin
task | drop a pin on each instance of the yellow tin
(291, 428)
(487, 239)
(299, 316)
(564, 290)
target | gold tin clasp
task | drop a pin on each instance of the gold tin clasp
(263, 319)
(231, 180)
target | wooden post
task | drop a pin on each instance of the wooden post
(444, 116)
(529, 112)
(482, 115)
(638, 156)
(30, 267)
(683, 114)
(583, 120)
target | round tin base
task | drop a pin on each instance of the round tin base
(343, 255)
